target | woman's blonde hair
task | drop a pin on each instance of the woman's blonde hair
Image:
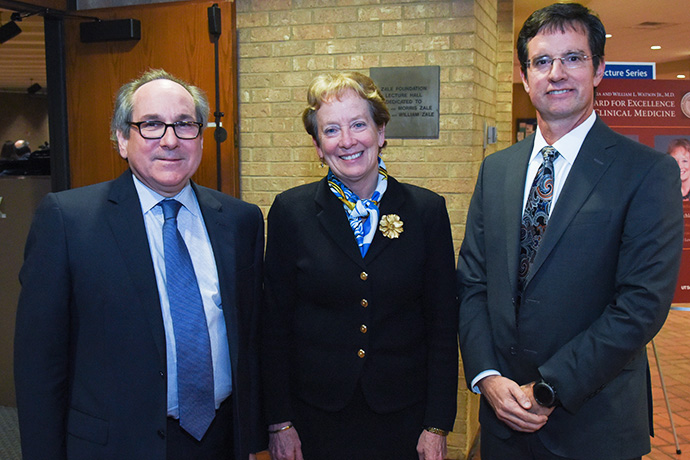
(328, 85)
(679, 143)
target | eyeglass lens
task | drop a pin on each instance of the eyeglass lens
(571, 61)
(157, 129)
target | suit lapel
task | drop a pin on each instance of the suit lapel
(516, 171)
(391, 203)
(592, 162)
(222, 232)
(127, 224)
(332, 218)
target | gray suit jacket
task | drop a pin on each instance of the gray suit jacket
(90, 359)
(599, 289)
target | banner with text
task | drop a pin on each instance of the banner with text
(655, 113)
(634, 70)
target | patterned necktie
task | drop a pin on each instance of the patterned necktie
(536, 214)
(194, 364)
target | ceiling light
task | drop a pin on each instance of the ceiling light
(9, 31)
(680, 76)
(655, 47)
(609, 35)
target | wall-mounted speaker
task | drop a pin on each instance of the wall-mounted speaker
(112, 30)
(214, 24)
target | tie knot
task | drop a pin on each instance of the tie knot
(170, 208)
(549, 154)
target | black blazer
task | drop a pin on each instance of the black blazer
(599, 289)
(90, 361)
(320, 292)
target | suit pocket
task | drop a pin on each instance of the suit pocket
(588, 234)
(87, 427)
(591, 217)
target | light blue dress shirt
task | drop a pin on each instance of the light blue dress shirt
(191, 225)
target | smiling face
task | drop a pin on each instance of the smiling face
(164, 165)
(682, 156)
(349, 141)
(564, 98)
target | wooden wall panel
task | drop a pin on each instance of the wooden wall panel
(174, 36)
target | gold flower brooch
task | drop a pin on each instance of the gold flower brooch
(391, 226)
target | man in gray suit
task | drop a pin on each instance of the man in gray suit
(568, 265)
(138, 318)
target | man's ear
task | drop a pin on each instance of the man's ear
(599, 73)
(122, 144)
(525, 82)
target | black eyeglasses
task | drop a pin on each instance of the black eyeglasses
(156, 129)
(571, 61)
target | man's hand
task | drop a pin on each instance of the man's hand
(511, 405)
(431, 446)
(284, 445)
(536, 407)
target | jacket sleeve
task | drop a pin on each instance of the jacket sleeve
(647, 267)
(441, 317)
(278, 308)
(42, 346)
(259, 438)
(475, 330)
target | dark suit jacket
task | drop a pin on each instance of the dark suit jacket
(90, 360)
(319, 291)
(599, 289)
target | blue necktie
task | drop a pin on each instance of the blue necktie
(536, 214)
(194, 364)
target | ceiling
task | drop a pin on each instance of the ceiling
(23, 58)
(635, 25)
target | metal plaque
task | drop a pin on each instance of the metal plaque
(412, 96)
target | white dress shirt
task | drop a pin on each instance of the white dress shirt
(190, 224)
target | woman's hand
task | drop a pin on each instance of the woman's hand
(431, 446)
(285, 444)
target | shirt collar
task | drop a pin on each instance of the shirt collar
(569, 145)
(148, 198)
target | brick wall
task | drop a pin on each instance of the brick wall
(504, 63)
(283, 44)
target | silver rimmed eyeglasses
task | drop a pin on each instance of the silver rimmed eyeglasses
(156, 129)
(543, 64)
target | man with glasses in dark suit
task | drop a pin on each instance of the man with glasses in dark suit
(136, 330)
(569, 264)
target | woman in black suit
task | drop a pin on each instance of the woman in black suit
(360, 339)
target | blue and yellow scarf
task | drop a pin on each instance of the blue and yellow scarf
(363, 215)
